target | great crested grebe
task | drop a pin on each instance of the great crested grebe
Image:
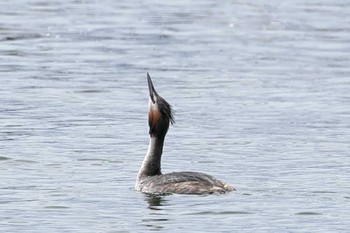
(150, 179)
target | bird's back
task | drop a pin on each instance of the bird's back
(183, 183)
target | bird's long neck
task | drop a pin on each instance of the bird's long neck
(151, 162)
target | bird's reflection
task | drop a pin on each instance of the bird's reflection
(157, 217)
(155, 201)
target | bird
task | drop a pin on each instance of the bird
(150, 178)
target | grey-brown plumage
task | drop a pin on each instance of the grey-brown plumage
(150, 179)
(184, 183)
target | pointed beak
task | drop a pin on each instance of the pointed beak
(151, 89)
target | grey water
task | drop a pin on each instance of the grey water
(261, 91)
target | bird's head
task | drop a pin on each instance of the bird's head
(160, 112)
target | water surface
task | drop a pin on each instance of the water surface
(261, 92)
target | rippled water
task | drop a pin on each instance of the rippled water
(261, 91)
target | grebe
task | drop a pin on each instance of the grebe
(150, 179)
